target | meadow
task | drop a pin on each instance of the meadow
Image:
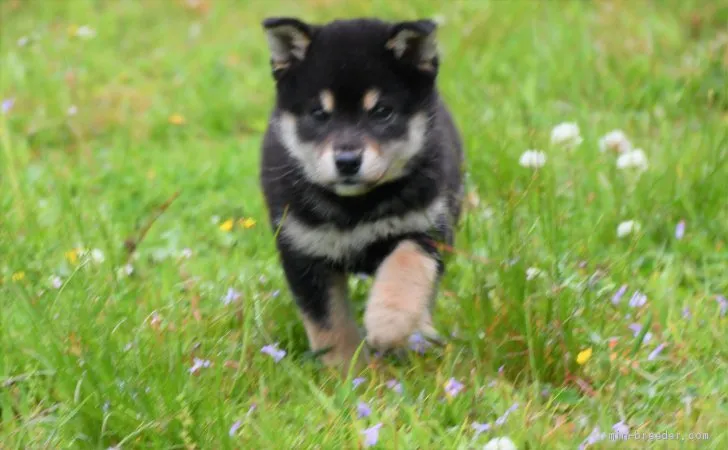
(141, 300)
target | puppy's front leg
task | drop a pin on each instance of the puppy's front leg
(322, 297)
(399, 302)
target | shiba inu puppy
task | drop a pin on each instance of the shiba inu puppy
(361, 172)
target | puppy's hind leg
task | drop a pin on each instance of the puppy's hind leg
(322, 297)
(400, 299)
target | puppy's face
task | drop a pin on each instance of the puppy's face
(352, 98)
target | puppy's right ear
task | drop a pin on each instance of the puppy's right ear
(288, 41)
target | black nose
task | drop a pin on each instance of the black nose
(348, 162)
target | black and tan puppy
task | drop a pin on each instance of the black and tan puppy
(361, 172)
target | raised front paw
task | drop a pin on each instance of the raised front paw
(400, 298)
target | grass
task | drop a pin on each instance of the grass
(167, 98)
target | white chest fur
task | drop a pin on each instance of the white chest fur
(332, 242)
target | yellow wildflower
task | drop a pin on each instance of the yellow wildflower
(177, 119)
(72, 256)
(583, 356)
(227, 225)
(18, 276)
(248, 223)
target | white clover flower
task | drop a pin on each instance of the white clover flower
(634, 159)
(97, 256)
(566, 134)
(616, 141)
(626, 228)
(532, 159)
(500, 443)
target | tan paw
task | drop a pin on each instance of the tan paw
(400, 297)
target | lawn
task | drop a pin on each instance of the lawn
(142, 304)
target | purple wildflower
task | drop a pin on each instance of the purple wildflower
(371, 435)
(418, 343)
(357, 381)
(617, 297)
(686, 313)
(234, 428)
(656, 352)
(480, 427)
(199, 364)
(231, 296)
(502, 419)
(394, 385)
(637, 329)
(723, 304)
(621, 429)
(638, 300)
(595, 436)
(453, 387)
(272, 349)
(7, 105)
(363, 410)
(252, 408)
(500, 369)
(680, 230)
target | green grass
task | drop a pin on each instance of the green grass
(104, 359)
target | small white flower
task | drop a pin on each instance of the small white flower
(85, 32)
(616, 141)
(186, 253)
(56, 282)
(72, 110)
(533, 159)
(22, 41)
(124, 271)
(97, 256)
(566, 134)
(500, 443)
(532, 272)
(635, 159)
(626, 228)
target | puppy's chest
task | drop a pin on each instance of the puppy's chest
(367, 242)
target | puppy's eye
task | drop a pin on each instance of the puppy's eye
(381, 113)
(319, 114)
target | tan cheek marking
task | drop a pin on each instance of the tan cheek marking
(373, 145)
(370, 99)
(327, 100)
(340, 333)
(400, 298)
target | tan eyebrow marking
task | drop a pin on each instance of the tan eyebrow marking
(371, 97)
(327, 100)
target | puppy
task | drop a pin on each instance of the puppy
(361, 172)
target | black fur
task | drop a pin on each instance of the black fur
(348, 58)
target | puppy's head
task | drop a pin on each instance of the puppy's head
(353, 97)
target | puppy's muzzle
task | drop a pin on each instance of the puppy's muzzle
(348, 160)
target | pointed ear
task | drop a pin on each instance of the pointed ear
(288, 41)
(415, 43)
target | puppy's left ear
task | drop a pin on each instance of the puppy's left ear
(288, 41)
(414, 43)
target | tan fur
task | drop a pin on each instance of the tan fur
(371, 97)
(327, 100)
(400, 297)
(341, 334)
